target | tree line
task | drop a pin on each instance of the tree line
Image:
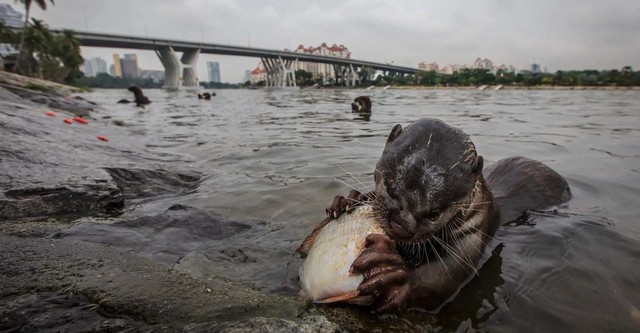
(476, 77)
(624, 77)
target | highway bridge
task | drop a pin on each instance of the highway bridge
(181, 72)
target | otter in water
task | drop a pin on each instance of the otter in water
(362, 104)
(439, 209)
(205, 96)
(139, 98)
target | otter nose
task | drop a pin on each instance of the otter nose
(406, 227)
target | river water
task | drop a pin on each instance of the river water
(281, 156)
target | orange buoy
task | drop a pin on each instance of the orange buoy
(103, 138)
(80, 120)
(51, 113)
(68, 120)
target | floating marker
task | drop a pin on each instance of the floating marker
(51, 113)
(80, 120)
(68, 120)
(101, 137)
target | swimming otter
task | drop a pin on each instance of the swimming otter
(205, 96)
(362, 104)
(140, 98)
(439, 210)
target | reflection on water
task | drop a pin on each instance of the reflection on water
(281, 156)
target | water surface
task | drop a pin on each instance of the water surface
(281, 156)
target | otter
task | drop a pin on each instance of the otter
(439, 210)
(205, 96)
(361, 104)
(140, 98)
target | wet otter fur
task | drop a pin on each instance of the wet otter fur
(439, 210)
(361, 104)
(205, 96)
(139, 98)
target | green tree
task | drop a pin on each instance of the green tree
(67, 49)
(303, 78)
(7, 35)
(365, 74)
(27, 6)
(36, 44)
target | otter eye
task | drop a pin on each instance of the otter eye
(432, 216)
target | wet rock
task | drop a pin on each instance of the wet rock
(61, 201)
(165, 237)
(143, 183)
(77, 107)
(58, 284)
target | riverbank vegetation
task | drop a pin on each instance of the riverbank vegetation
(467, 77)
(42, 53)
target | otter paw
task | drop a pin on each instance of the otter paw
(341, 204)
(385, 274)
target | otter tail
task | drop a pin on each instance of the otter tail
(520, 184)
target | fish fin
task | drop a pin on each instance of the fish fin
(340, 298)
(308, 242)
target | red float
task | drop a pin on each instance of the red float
(51, 113)
(81, 120)
(68, 120)
(101, 137)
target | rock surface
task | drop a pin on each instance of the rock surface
(108, 276)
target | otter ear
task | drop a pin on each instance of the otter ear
(478, 163)
(395, 132)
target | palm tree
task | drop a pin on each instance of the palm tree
(67, 49)
(27, 6)
(38, 40)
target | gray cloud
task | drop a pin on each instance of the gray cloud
(558, 34)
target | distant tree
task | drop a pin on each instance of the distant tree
(27, 6)
(365, 74)
(304, 78)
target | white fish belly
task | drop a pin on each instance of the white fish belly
(325, 271)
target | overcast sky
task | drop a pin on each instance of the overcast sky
(557, 34)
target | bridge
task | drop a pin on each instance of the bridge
(181, 71)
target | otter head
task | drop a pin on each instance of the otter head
(426, 175)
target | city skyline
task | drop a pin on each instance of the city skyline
(560, 35)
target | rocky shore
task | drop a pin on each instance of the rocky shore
(63, 268)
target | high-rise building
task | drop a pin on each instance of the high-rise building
(94, 66)
(213, 69)
(10, 17)
(117, 66)
(247, 76)
(535, 68)
(324, 71)
(126, 67)
(129, 66)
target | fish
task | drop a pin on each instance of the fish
(325, 275)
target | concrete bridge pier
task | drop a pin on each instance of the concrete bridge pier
(171, 64)
(289, 76)
(345, 75)
(279, 73)
(179, 72)
(189, 60)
